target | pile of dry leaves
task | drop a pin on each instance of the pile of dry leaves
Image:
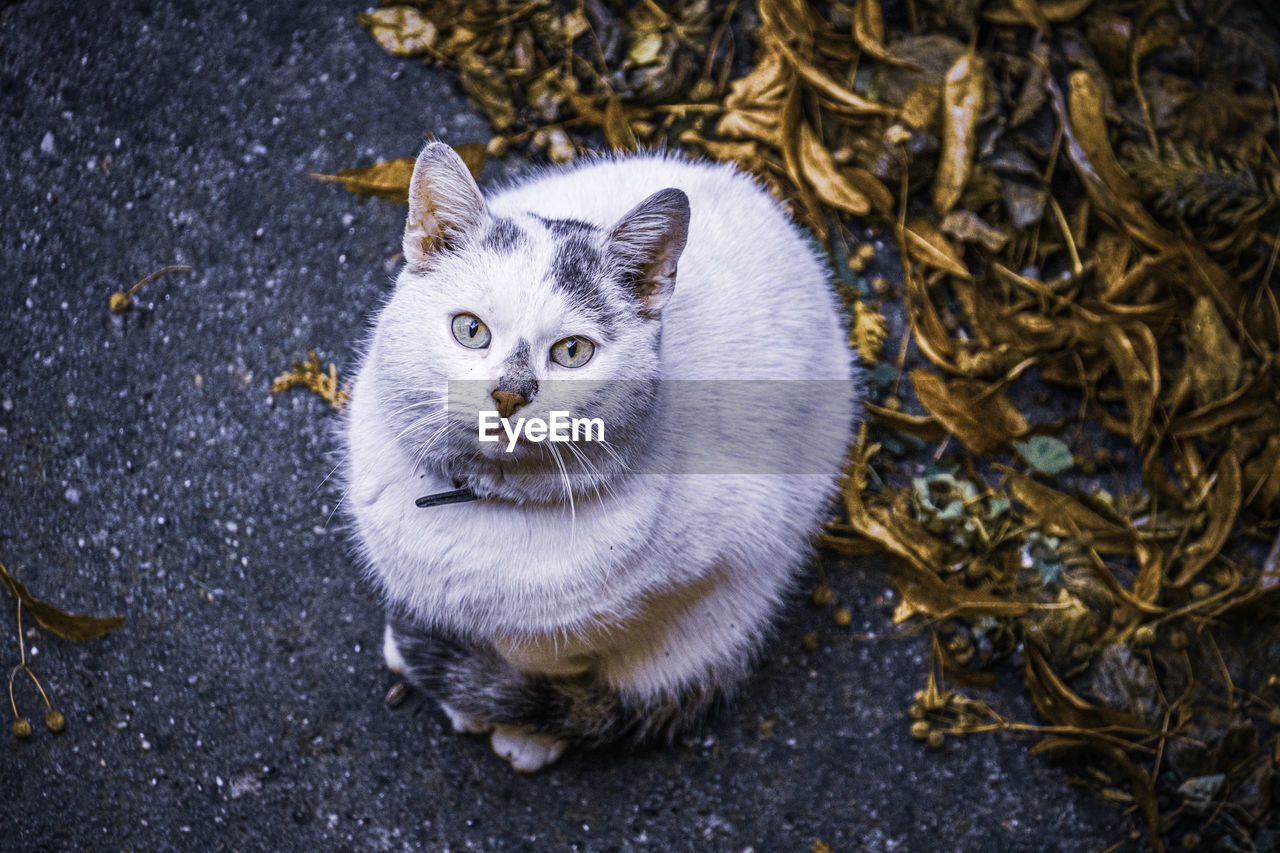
(1083, 197)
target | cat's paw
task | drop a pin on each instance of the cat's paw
(525, 750)
(391, 652)
(464, 723)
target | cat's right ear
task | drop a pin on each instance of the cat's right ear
(646, 244)
(444, 203)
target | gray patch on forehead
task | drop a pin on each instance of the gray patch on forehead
(565, 227)
(504, 235)
(578, 270)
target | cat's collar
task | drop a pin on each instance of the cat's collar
(462, 494)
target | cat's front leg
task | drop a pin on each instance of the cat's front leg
(441, 667)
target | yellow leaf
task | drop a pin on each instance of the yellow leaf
(389, 179)
(617, 130)
(962, 102)
(819, 168)
(868, 332)
(400, 30)
(927, 245)
(983, 419)
(1053, 11)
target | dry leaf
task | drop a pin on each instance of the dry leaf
(389, 179)
(962, 103)
(868, 332)
(69, 626)
(984, 420)
(820, 170)
(400, 30)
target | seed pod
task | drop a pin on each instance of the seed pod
(120, 302)
(1178, 640)
(920, 730)
(22, 728)
(917, 712)
(842, 617)
(1201, 591)
(55, 721)
(936, 739)
(396, 695)
(1144, 637)
(823, 595)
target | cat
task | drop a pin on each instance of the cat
(614, 590)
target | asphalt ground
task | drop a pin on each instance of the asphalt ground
(146, 471)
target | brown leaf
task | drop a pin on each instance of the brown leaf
(929, 246)
(962, 103)
(1054, 12)
(389, 179)
(968, 227)
(1140, 784)
(1061, 514)
(1084, 125)
(838, 97)
(1213, 356)
(70, 626)
(985, 421)
(1223, 504)
(926, 326)
(1262, 476)
(1246, 402)
(1031, 14)
(921, 426)
(617, 130)
(819, 168)
(922, 591)
(868, 32)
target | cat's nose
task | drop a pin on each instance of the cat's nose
(508, 401)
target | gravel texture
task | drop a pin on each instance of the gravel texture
(145, 471)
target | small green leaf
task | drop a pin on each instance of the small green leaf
(1045, 454)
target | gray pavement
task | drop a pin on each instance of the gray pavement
(144, 471)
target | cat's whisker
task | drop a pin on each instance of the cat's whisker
(342, 497)
(568, 489)
(332, 471)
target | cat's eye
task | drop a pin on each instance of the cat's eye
(470, 331)
(572, 352)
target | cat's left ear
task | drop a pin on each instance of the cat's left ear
(646, 244)
(444, 203)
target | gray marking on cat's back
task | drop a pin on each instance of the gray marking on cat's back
(504, 235)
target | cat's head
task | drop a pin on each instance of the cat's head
(525, 316)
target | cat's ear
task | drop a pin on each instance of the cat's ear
(646, 244)
(444, 203)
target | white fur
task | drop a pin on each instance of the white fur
(526, 752)
(664, 581)
(391, 652)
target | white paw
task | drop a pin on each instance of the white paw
(526, 751)
(465, 724)
(391, 652)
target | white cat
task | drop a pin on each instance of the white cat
(595, 591)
